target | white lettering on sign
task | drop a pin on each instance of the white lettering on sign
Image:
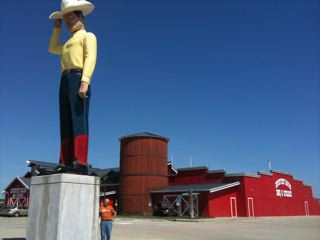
(280, 192)
(18, 190)
(17, 193)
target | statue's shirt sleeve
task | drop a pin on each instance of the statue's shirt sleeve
(89, 56)
(55, 47)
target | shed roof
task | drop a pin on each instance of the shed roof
(212, 187)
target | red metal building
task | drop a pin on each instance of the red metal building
(219, 194)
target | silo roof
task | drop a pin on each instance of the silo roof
(144, 135)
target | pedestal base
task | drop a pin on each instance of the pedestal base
(64, 207)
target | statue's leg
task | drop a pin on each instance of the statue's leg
(66, 134)
(80, 126)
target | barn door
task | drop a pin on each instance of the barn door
(306, 208)
(233, 207)
(250, 207)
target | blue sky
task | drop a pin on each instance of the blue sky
(233, 84)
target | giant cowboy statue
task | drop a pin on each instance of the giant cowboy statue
(78, 59)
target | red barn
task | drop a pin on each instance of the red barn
(219, 194)
(17, 192)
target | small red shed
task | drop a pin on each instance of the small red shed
(17, 192)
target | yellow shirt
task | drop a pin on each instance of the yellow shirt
(79, 52)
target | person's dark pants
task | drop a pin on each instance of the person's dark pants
(73, 120)
(106, 228)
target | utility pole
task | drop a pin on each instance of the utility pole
(269, 165)
(191, 164)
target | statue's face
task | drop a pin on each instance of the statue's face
(70, 19)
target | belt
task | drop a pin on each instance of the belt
(106, 220)
(75, 70)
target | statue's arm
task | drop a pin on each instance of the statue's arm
(55, 47)
(90, 57)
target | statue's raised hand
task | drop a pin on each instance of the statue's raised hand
(57, 23)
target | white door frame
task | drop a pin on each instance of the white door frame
(306, 208)
(233, 200)
(250, 207)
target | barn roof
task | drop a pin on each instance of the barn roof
(217, 171)
(192, 168)
(212, 187)
(103, 172)
(265, 173)
(25, 182)
(242, 175)
(281, 172)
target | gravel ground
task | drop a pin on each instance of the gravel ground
(282, 228)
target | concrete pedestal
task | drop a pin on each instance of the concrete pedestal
(64, 207)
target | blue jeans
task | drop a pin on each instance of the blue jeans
(74, 127)
(106, 228)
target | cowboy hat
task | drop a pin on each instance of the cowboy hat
(67, 6)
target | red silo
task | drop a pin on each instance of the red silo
(143, 167)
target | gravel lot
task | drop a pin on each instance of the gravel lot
(283, 228)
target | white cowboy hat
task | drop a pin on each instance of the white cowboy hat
(67, 6)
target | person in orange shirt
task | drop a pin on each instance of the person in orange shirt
(107, 214)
